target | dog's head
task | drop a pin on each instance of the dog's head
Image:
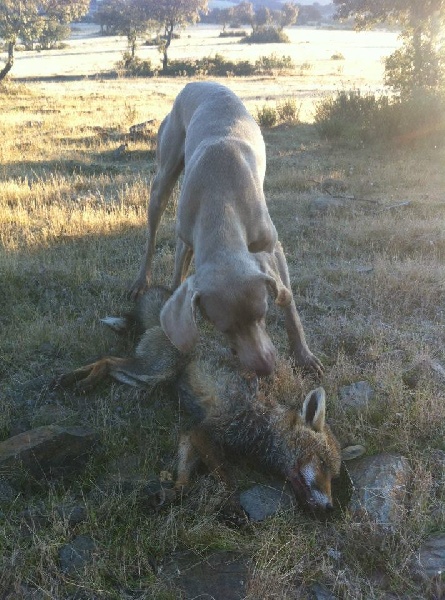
(236, 306)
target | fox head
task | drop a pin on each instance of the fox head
(313, 455)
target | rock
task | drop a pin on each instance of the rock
(423, 370)
(50, 450)
(222, 575)
(260, 501)
(75, 556)
(357, 395)
(429, 561)
(380, 484)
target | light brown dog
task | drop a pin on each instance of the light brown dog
(222, 220)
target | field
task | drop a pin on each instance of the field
(367, 271)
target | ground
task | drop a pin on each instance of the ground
(367, 274)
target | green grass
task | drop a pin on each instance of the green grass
(72, 229)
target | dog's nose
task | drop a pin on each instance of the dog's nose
(265, 369)
(265, 364)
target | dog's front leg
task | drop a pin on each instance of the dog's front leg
(297, 341)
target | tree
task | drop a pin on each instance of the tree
(174, 14)
(419, 63)
(243, 13)
(27, 20)
(225, 16)
(131, 18)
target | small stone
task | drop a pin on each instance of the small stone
(357, 395)
(320, 592)
(429, 562)
(73, 515)
(7, 492)
(425, 369)
(260, 501)
(76, 555)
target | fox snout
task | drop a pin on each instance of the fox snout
(312, 487)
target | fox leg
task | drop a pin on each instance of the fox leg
(126, 370)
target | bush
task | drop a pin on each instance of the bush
(135, 67)
(288, 111)
(266, 116)
(215, 66)
(269, 64)
(285, 111)
(350, 115)
(266, 35)
(236, 33)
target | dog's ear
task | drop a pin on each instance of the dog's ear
(178, 317)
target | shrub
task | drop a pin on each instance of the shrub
(266, 35)
(285, 111)
(269, 64)
(266, 116)
(236, 33)
(337, 56)
(288, 111)
(350, 115)
(135, 67)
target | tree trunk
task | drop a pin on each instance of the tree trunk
(418, 57)
(168, 41)
(9, 62)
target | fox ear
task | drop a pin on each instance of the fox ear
(178, 317)
(314, 409)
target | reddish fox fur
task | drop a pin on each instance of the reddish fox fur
(230, 415)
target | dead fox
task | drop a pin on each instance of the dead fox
(229, 414)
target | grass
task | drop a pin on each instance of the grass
(72, 228)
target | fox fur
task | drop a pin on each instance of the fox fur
(229, 414)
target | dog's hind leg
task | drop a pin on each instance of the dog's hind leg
(170, 162)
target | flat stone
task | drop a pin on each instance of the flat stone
(429, 561)
(380, 484)
(49, 450)
(261, 501)
(221, 575)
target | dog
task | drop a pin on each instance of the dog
(223, 221)
(229, 414)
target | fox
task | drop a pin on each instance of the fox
(230, 415)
